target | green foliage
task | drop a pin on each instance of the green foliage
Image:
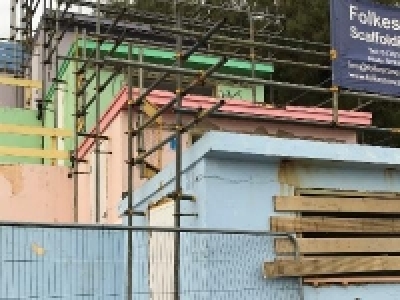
(305, 20)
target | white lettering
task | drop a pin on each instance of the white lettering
(386, 23)
(363, 18)
(373, 51)
(377, 19)
(395, 24)
(353, 11)
(375, 37)
(353, 32)
(373, 19)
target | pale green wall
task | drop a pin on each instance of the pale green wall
(18, 116)
(66, 72)
(240, 93)
(106, 97)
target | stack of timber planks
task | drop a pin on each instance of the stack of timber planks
(357, 233)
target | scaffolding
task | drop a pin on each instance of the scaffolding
(181, 21)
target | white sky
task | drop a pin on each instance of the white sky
(5, 16)
(5, 19)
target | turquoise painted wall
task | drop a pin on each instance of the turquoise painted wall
(18, 116)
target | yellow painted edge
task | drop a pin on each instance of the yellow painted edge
(53, 140)
(28, 97)
(20, 82)
(30, 130)
(35, 153)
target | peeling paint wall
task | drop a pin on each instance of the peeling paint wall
(35, 193)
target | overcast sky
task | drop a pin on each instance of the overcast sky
(5, 17)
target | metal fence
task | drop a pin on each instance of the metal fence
(42, 261)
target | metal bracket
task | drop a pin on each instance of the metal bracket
(90, 135)
(186, 215)
(174, 195)
(131, 212)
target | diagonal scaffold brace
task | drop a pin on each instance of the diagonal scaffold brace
(170, 104)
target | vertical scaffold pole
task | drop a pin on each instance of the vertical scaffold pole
(41, 104)
(76, 129)
(252, 56)
(140, 137)
(129, 288)
(178, 185)
(83, 104)
(97, 125)
(335, 92)
(335, 105)
(57, 38)
(13, 20)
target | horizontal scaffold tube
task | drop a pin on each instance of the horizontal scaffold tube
(234, 78)
(112, 38)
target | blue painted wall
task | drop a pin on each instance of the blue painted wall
(239, 193)
(12, 56)
(234, 177)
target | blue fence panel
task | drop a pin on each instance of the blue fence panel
(91, 263)
(61, 263)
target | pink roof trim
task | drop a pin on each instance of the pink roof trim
(160, 98)
(106, 119)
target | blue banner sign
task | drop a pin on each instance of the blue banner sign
(366, 44)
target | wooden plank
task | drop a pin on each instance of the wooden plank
(335, 193)
(20, 82)
(284, 246)
(330, 266)
(33, 130)
(331, 204)
(53, 145)
(352, 280)
(325, 224)
(35, 153)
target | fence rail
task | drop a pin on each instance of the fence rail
(69, 261)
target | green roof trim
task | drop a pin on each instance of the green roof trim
(195, 61)
(61, 72)
(167, 57)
